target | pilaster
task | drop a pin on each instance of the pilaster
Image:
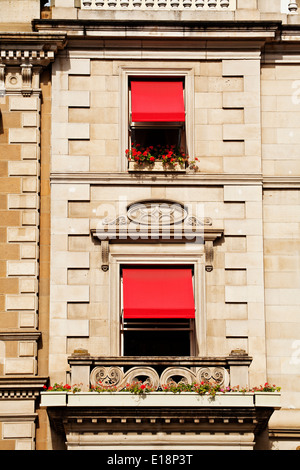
(22, 59)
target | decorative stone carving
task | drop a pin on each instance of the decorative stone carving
(2, 79)
(212, 374)
(209, 255)
(156, 213)
(115, 377)
(105, 255)
(108, 376)
(169, 375)
(195, 221)
(147, 375)
(160, 220)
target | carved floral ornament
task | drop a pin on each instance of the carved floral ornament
(157, 221)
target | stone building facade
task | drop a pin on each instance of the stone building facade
(75, 216)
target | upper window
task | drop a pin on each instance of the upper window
(158, 311)
(157, 112)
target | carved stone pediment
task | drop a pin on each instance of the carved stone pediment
(157, 221)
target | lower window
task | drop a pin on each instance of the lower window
(158, 311)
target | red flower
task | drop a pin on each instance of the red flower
(143, 387)
(152, 159)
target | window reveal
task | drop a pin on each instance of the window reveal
(157, 113)
(158, 312)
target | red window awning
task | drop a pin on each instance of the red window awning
(158, 293)
(157, 101)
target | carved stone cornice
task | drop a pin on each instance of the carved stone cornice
(24, 55)
(30, 48)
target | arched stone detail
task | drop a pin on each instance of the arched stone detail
(108, 376)
(168, 375)
(149, 375)
(217, 375)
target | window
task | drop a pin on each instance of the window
(159, 71)
(158, 311)
(157, 111)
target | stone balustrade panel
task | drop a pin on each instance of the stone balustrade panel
(219, 5)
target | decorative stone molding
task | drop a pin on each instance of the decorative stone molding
(26, 55)
(157, 221)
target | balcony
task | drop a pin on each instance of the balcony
(119, 420)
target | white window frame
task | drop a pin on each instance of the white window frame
(187, 73)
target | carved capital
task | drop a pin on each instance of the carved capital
(105, 255)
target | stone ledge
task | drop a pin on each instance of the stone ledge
(160, 399)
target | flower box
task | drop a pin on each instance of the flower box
(157, 166)
(53, 398)
(267, 399)
(161, 399)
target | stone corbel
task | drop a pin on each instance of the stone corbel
(105, 255)
(209, 255)
(26, 73)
